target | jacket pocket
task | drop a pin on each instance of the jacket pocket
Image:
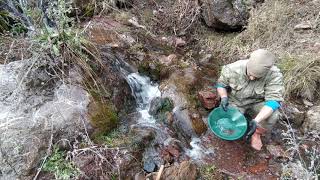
(259, 92)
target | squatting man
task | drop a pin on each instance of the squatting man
(255, 87)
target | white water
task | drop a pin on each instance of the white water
(197, 152)
(143, 91)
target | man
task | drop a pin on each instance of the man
(253, 86)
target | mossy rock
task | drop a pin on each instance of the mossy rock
(103, 116)
(151, 70)
(160, 107)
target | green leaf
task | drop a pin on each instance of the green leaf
(55, 49)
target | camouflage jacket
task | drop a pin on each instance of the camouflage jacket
(244, 91)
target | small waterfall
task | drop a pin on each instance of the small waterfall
(144, 91)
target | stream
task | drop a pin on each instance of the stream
(144, 92)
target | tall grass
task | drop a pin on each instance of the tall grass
(301, 76)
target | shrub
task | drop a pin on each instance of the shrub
(303, 154)
(60, 166)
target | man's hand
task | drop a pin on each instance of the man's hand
(224, 103)
(252, 128)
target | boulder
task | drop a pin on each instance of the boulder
(208, 99)
(292, 113)
(29, 118)
(185, 170)
(159, 107)
(311, 122)
(225, 15)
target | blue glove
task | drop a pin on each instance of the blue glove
(224, 103)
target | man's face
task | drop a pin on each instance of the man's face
(251, 76)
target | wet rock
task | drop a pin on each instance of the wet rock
(208, 99)
(171, 151)
(28, 118)
(312, 123)
(142, 135)
(198, 125)
(224, 15)
(115, 84)
(303, 26)
(159, 108)
(182, 123)
(149, 165)
(185, 170)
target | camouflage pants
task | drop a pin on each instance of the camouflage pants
(251, 111)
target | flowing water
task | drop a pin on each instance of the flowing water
(144, 92)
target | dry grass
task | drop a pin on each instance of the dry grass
(301, 79)
(270, 26)
(180, 18)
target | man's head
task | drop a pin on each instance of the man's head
(259, 63)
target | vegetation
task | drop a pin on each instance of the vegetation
(180, 18)
(60, 166)
(301, 79)
(4, 21)
(303, 154)
(103, 117)
(210, 172)
(112, 139)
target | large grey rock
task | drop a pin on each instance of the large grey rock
(28, 118)
(312, 123)
(182, 123)
(226, 14)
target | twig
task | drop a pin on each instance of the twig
(9, 52)
(160, 172)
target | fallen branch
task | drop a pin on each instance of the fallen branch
(160, 172)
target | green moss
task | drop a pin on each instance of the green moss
(89, 10)
(210, 172)
(104, 118)
(112, 139)
(59, 166)
(166, 105)
(151, 70)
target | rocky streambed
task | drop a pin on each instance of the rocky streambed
(151, 113)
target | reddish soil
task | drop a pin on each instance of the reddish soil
(237, 159)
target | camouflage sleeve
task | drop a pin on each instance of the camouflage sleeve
(224, 76)
(274, 88)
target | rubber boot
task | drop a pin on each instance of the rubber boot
(256, 142)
